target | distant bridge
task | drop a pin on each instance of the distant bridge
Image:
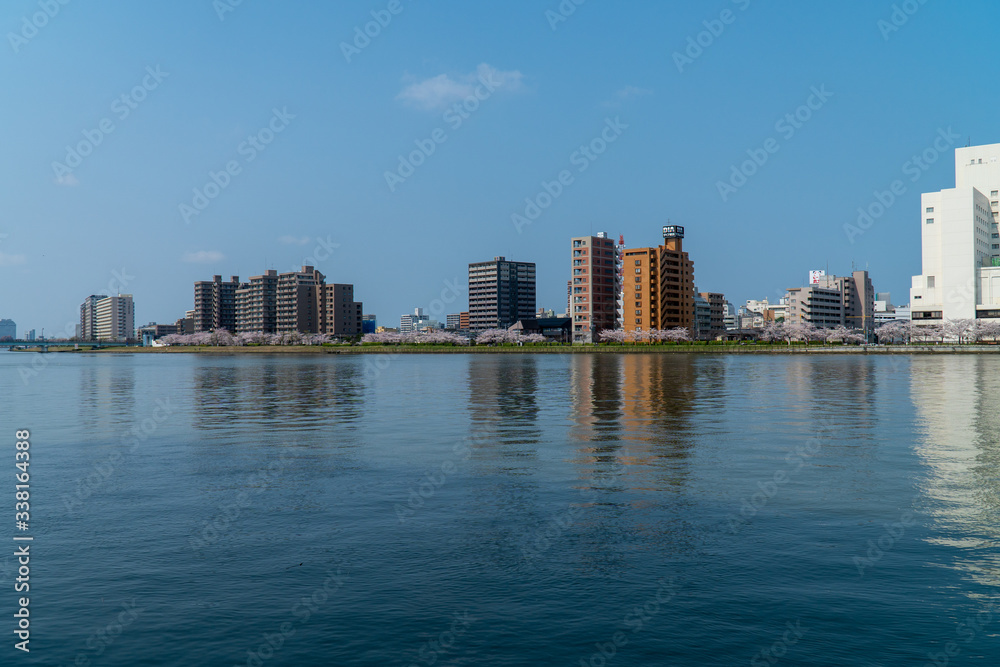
(44, 345)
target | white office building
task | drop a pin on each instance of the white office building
(960, 243)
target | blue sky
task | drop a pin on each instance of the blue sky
(200, 81)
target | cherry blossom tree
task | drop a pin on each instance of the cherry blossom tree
(677, 335)
(838, 334)
(773, 331)
(962, 330)
(611, 336)
(891, 332)
(925, 332)
(988, 329)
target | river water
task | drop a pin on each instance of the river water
(505, 509)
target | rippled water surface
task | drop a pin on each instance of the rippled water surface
(507, 510)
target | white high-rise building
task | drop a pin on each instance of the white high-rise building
(114, 318)
(960, 243)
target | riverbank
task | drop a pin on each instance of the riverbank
(578, 349)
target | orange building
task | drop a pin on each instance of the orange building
(659, 285)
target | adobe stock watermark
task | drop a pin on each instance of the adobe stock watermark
(129, 441)
(31, 26)
(635, 620)
(122, 107)
(255, 484)
(966, 630)
(376, 364)
(249, 149)
(445, 641)
(696, 44)
(883, 200)
(223, 7)
(363, 35)
(562, 12)
(786, 126)
(891, 535)
(779, 649)
(99, 640)
(428, 485)
(899, 17)
(542, 539)
(581, 158)
(322, 252)
(796, 460)
(302, 611)
(455, 116)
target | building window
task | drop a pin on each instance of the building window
(930, 221)
(930, 209)
(930, 282)
(638, 270)
(638, 262)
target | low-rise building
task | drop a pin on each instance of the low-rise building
(154, 331)
(555, 329)
(702, 318)
(717, 313)
(729, 317)
(831, 301)
(418, 321)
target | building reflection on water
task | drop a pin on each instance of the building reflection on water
(281, 394)
(107, 396)
(631, 417)
(957, 402)
(504, 438)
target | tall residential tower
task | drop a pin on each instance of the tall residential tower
(501, 292)
(659, 285)
(594, 286)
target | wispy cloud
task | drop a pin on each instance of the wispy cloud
(294, 240)
(11, 260)
(203, 257)
(627, 93)
(442, 90)
(69, 180)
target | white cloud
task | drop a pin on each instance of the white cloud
(203, 257)
(632, 91)
(12, 260)
(294, 240)
(627, 93)
(440, 91)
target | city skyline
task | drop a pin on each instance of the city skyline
(196, 164)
